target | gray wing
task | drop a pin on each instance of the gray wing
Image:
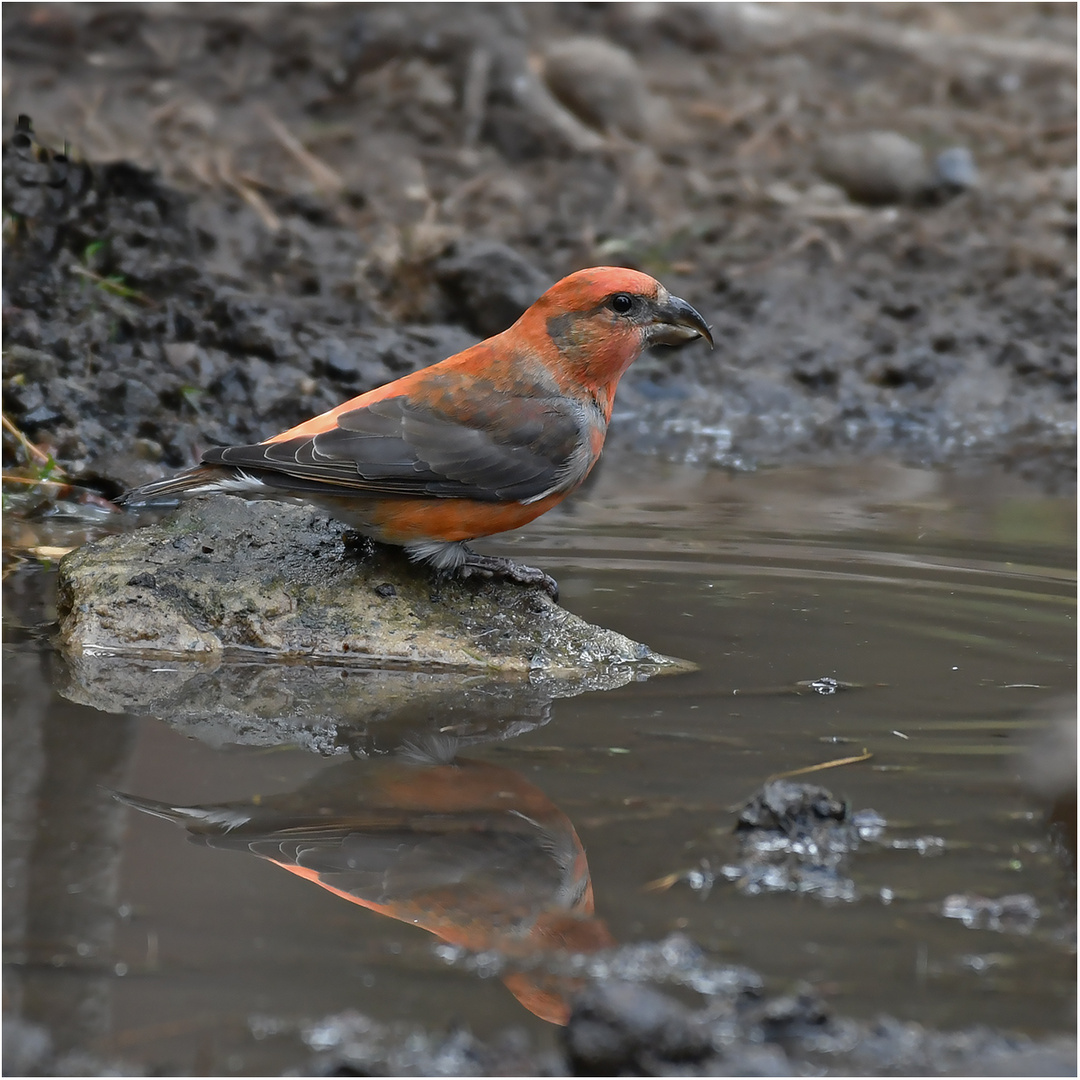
(498, 449)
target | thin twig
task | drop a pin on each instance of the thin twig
(940, 49)
(12, 478)
(232, 179)
(864, 756)
(324, 176)
(804, 240)
(729, 117)
(63, 489)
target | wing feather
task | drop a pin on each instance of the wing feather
(494, 447)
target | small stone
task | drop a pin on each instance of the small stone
(600, 83)
(488, 284)
(955, 168)
(876, 167)
(43, 416)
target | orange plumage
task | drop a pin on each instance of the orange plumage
(482, 442)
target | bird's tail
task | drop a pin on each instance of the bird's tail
(197, 819)
(203, 478)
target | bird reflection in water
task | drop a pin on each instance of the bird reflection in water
(467, 850)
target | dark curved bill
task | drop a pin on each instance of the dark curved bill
(677, 321)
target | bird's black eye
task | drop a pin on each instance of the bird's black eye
(622, 304)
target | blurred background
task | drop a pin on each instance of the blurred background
(875, 206)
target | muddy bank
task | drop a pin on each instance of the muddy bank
(619, 1029)
(284, 207)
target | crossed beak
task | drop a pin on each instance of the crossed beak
(676, 322)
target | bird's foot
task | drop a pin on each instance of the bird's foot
(497, 566)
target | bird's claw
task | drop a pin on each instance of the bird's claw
(494, 566)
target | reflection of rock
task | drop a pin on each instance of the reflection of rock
(272, 577)
(324, 708)
(792, 1035)
(469, 851)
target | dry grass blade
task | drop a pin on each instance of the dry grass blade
(325, 177)
(32, 481)
(475, 95)
(834, 764)
(33, 452)
(936, 48)
(804, 240)
(117, 288)
(244, 188)
(257, 203)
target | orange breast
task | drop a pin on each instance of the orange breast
(402, 521)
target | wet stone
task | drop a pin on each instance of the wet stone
(796, 837)
(273, 578)
(326, 709)
(790, 807)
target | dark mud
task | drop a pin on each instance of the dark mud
(285, 206)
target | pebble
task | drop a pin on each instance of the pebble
(955, 168)
(876, 167)
(600, 83)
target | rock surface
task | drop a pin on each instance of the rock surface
(223, 574)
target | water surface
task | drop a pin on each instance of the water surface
(945, 601)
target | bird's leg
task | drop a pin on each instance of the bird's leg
(498, 566)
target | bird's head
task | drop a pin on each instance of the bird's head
(600, 319)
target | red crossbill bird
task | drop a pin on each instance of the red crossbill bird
(479, 443)
(469, 851)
